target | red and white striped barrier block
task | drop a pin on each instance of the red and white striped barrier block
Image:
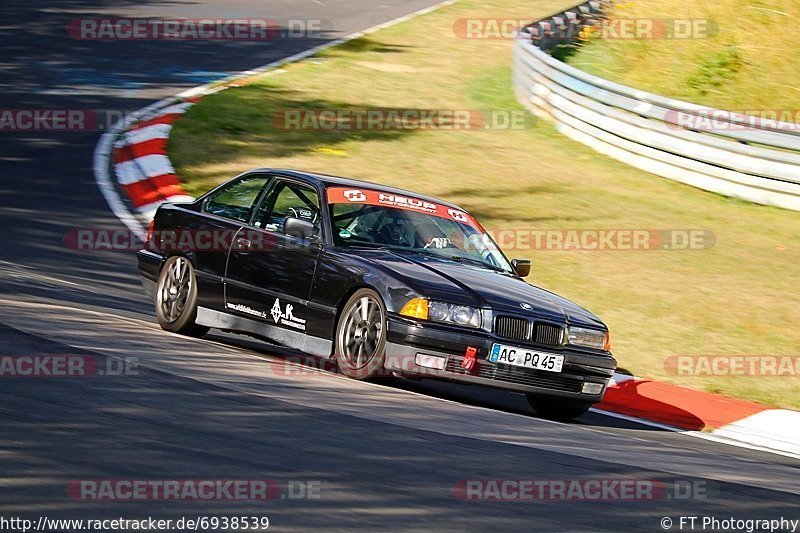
(141, 166)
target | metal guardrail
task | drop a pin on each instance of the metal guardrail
(724, 152)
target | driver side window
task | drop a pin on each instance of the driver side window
(236, 200)
(288, 199)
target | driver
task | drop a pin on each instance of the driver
(395, 232)
(429, 235)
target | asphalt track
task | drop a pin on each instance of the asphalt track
(384, 456)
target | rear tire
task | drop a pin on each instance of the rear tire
(176, 298)
(556, 408)
(360, 343)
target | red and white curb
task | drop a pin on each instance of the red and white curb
(131, 160)
(704, 414)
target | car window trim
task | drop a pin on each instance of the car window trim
(217, 190)
(260, 200)
(272, 180)
(275, 181)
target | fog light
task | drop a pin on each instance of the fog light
(592, 388)
(430, 361)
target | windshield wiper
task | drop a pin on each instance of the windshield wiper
(380, 246)
(427, 252)
(477, 262)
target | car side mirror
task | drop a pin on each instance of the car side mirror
(297, 227)
(522, 267)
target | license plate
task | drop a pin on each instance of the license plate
(525, 357)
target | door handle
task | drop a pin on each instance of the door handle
(243, 245)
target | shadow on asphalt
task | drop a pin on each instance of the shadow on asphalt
(49, 188)
(478, 396)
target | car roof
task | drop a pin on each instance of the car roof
(336, 181)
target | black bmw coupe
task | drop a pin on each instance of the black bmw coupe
(380, 279)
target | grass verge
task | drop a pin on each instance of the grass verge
(737, 297)
(736, 54)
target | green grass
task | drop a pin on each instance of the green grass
(747, 60)
(738, 297)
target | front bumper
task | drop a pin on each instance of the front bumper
(406, 339)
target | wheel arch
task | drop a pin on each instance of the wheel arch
(188, 255)
(343, 301)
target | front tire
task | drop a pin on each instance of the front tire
(176, 298)
(556, 408)
(360, 347)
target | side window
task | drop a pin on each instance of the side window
(288, 199)
(355, 222)
(236, 200)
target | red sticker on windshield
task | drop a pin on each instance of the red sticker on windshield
(346, 195)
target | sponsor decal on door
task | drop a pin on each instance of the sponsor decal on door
(285, 316)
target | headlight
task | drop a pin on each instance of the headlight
(455, 314)
(460, 315)
(589, 338)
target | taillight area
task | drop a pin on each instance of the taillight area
(148, 243)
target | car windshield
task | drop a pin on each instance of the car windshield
(378, 219)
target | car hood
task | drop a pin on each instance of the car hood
(450, 281)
